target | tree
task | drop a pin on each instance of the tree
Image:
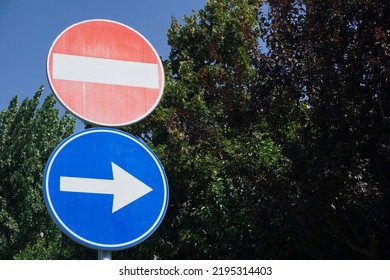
(279, 152)
(333, 56)
(225, 171)
(28, 135)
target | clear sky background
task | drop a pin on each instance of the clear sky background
(29, 27)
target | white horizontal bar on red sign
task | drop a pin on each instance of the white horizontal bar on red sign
(105, 71)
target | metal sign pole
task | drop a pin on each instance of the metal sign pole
(104, 255)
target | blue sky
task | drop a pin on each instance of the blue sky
(29, 27)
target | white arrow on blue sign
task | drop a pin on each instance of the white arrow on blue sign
(105, 189)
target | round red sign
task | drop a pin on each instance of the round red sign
(105, 73)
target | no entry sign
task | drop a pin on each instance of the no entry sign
(105, 73)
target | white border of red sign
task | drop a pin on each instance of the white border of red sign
(86, 119)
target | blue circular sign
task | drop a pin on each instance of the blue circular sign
(105, 189)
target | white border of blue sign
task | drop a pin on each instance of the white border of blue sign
(70, 232)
